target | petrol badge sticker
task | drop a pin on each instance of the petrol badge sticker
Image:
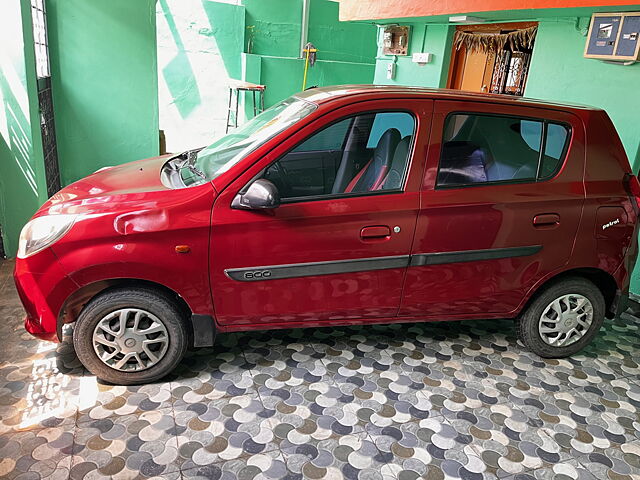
(611, 224)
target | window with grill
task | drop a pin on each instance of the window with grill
(40, 39)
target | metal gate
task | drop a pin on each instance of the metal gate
(48, 131)
(45, 97)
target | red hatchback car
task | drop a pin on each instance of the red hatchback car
(343, 205)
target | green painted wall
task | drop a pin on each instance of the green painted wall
(273, 27)
(435, 39)
(560, 72)
(204, 44)
(199, 50)
(283, 76)
(342, 41)
(22, 185)
(346, 50)
(104, 72)
(226, 22)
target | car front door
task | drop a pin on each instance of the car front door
(501, 203)
(338, 245)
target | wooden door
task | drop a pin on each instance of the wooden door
(478, 69)
(473, 70)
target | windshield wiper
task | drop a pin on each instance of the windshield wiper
(188, 156)
(193, 169)
(189, 159)
(192, 156)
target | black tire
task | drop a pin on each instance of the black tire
(527, 325)
(143, 298)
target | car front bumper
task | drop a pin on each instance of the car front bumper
(43, 288)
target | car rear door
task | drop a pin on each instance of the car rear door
(320, 257)
(496, 216)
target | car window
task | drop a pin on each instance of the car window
(554, 148)
(228, 150)
(531, 133)
(359, 154)
(480, 149)
(383, 121)
(330, 138)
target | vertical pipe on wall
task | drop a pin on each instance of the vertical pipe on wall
(304, 26)
(424, 37)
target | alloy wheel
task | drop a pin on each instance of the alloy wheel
(130, 340)
(566, 320)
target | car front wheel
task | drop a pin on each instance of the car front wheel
(563, 319)
(130, 336)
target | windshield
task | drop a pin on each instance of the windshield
(227, 151)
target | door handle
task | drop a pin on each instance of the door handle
(377, 232)
(546, 220)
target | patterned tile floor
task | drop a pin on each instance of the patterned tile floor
(435, 400)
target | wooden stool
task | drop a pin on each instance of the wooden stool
(235, 87)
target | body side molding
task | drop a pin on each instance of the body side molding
(422, 259)
(274, 272)
(295, 270)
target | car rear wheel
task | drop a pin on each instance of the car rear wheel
(563, 319)
(130, 336)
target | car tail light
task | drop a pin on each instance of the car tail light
(632, 185)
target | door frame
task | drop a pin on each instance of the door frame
(223, 217)
(512, 242)
(458, 57)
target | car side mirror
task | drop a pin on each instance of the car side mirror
(258, 195)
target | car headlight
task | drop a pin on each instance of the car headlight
(42, 232)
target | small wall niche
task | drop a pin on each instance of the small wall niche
(395, 40)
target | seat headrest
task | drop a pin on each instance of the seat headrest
(398, 165)
(402, 150)
(387, 146)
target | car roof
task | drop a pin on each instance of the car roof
(333, 93)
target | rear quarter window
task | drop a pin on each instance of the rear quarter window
(555, 149)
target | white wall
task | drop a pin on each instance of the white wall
(192, 37)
